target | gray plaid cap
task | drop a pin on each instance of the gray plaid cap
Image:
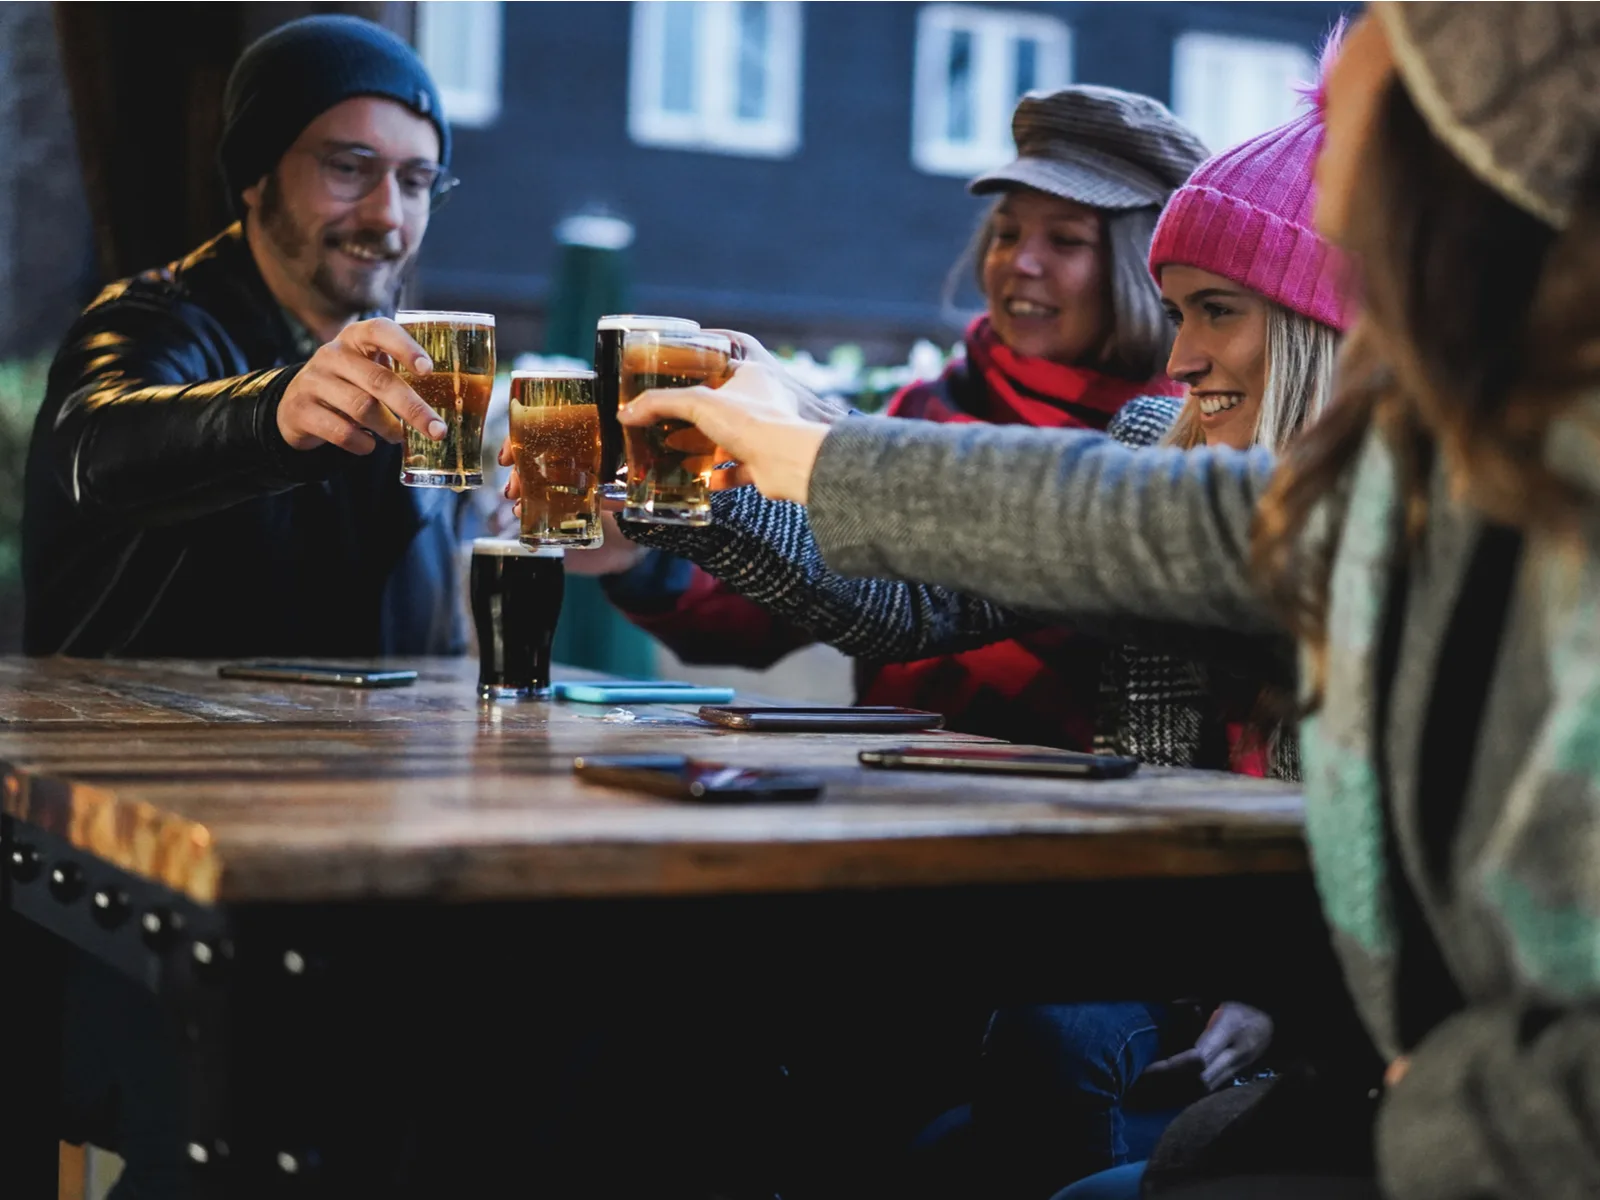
(1098, 146)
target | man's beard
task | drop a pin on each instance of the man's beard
(353, 293)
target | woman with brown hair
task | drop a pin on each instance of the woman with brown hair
(1433, 544)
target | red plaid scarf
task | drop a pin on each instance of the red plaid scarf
(1042, 688)
(998, 386)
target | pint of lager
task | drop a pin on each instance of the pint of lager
(516, 600)
(608, 336)
(461, 346)
(670, 462)
(555, 442)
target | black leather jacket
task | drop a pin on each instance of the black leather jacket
(165, 514)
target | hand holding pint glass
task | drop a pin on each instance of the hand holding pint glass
(461, 348)
(670, 461)
(345, 395)
(608, 336)
(759, 419)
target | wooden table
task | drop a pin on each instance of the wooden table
(258, 857)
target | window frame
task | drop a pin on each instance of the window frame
(1188, 82)
(468, 107)
(713, 125)
(995, 34)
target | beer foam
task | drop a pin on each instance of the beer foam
(415, 316)
(512, 548)
(638, 322)
(555, 373)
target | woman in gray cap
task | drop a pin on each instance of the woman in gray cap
(1432, 546)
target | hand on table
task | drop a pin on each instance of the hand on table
(344, 397)
(755, 419)
(1235, 1037)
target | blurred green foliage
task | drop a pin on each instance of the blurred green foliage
(21, 392)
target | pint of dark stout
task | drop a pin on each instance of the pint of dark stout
(461, 346)
(608, 337)
(516, 600)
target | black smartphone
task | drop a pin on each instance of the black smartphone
(678, 777)
(357, 677)
(1001, 760)
(865, 719)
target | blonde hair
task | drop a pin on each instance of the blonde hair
(1300, 360)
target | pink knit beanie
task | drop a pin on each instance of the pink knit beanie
(1246, 215)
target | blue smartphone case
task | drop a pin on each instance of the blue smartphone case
(641, 693)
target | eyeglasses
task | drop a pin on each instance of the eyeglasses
(350, 173)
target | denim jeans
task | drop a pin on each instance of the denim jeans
(1119, 1183)
(1123, 1183)
(1053, 1084)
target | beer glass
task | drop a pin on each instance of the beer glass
(608, 337)
(516, 600)
(461, 346)
(555, 443)
(670, 462)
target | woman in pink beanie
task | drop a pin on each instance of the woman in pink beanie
(1259, 298)
(1260, 301)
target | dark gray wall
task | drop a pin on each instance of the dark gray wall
(46, 258)
(845, 237)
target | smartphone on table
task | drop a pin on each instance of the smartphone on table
(1001, 760)
(640, 691)
(864, 719)
(357, 677)
(679, 777)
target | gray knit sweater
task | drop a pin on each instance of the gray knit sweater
(1502, 1092)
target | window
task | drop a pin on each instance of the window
(973, 65)
(718, 75)
(459, 42)
(1228, 89)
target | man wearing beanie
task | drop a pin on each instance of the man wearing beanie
(214, 471)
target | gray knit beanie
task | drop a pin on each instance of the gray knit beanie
(1512, 89)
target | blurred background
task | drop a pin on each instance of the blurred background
(792, 169)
